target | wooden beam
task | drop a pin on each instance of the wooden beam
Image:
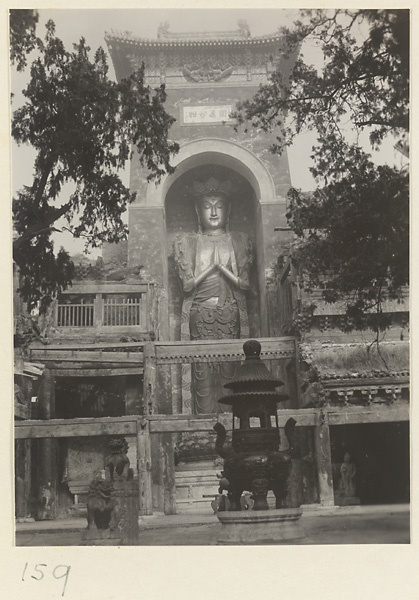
(168, 467)
(271, 342)
(47, 395)
(92, 357)
(164, 389)
(57, 365)
(178, 423)
(222, 350)
(144, 467)
(85, 346)
(106, 288)
(99, 372)
(185, 424)
(150, 378)
(379, 414)
(62, 428)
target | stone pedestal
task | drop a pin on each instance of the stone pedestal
(278, 526)
(196, 486)
(100, 537)
(127, 511)
(122, 528)
(341, 499)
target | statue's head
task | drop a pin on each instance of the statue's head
(118, 446)
(212, 204)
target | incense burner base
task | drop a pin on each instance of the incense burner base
(249, 527)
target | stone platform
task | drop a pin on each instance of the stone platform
(375, 524)
(254, 527)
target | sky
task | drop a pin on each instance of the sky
(71, 24)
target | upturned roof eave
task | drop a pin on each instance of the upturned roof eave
(131, 40)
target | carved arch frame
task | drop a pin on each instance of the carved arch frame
(222, 152)
(228, 154)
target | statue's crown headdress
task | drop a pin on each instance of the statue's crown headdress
(211, 187)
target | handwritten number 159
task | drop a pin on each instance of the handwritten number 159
(59, 572)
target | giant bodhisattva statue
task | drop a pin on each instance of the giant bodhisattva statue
(213, 265)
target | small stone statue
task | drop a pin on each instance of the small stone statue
(221, 503)
(347, 493)
(112, 506)
(100, 508)
(348, 472)
(45, 504)
(117, 463)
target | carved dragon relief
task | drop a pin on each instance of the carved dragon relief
(206, 72)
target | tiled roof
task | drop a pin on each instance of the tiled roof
(127, 38)
(358, 360)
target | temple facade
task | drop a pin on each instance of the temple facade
(144, 340)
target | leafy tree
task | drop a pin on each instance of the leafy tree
(353, 230)
(22, 35)
(83, 127)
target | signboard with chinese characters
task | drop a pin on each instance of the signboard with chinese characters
(194, 115)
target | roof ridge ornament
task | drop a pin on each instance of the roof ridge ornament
(242, 32)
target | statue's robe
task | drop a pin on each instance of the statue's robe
(202, 386)
(186, 251)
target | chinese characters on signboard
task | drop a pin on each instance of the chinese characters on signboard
(206, 114)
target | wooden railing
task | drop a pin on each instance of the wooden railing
(75, 315)
(122, 312)
(106, 306)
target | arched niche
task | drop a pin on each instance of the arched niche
(180, 217)
(216, 152)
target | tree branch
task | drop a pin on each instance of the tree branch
(40, 226)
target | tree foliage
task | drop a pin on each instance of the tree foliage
(22, 35)
(83, 127)
(353, 230)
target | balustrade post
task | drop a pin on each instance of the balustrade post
(98, 311)
(56, 312)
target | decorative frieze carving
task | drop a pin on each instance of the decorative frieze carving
(171, 359)
(344, 396)
(368, 395)
(177, 65)
(393, 394)
(162, 65)
(206, 71)
(248, 60)
(362, 396)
